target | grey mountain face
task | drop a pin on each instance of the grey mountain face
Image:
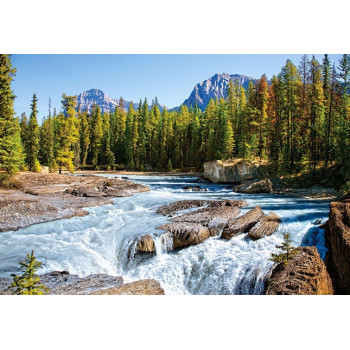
(214, 87)
(87, 99)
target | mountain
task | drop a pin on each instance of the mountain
(87, 99)
(214, 87)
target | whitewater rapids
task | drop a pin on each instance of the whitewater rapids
(101, 241)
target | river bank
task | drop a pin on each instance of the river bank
(48, 197)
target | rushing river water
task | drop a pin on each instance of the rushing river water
(101, 241)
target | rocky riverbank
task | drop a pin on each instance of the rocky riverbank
(63, 283)
(305, 274)
(48, 197)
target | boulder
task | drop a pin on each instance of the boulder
(337, 236)
(255, 186)
(143, 287)
(266, 226)
(215, 218)
(243, 223)
(305, 274)
(146, 244)
(170, 209)
(186, 234)
(233, 171)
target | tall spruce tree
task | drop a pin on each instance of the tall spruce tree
(33, 133)
(11, 151)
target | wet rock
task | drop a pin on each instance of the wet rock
(125, 178)
(215, 218)
(305, 274)
(143, 287)
(63, 283)
(170, 209)
(18, 213)
(192, 188)
(317, 222)
(337, 235)
(146, 244)
(186, 234)
(234, 171)
(243, 223)
(48, 197)
(255, 186)
(266, 226)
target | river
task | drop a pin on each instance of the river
(101, 241)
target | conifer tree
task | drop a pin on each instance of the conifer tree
(11, 151)
(33, 133)
(287, 251)
(28, 283)
(84, 137)
(96, 134)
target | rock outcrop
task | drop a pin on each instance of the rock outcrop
(255, 186)
(266, 226)
(243, 223)
(215, 218)
(48, 197)
(143, 287)
(172, 208)
(233, 172)
(305, 274)
(63, 283)
(337, 235)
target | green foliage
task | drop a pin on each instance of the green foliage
(287, 251)
(11, 150)
(28, 283)
(170, 166)
(32, 137)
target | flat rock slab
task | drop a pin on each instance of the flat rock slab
(305, 274)
(143, 287)
(172, 208)
(215, 218)
(63, 283)
(243, 223)
(48, 197)
(266, 226)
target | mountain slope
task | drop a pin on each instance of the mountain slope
(214, 87)
(88, 98)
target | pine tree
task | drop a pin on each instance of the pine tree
(11, 151)
(287, 251)
(67, 134)
(84, 137)
(46, 149)
(28, 283)
(96, 133)
(33, 137)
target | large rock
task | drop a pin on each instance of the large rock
(266, 226)
(170, 209)
(235, 171)
(186, 234)
(255, 186)
(337, 235)
(243, 223)
(18, 213)
(215, 218)
(48, 197)
(305, 274)
(63, 283)
(143, 287)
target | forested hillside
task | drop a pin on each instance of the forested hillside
(301, 120)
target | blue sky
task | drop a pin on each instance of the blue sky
(170, 77)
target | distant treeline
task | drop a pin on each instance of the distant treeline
(300, 120)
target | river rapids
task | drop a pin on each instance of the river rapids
(101, 242)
